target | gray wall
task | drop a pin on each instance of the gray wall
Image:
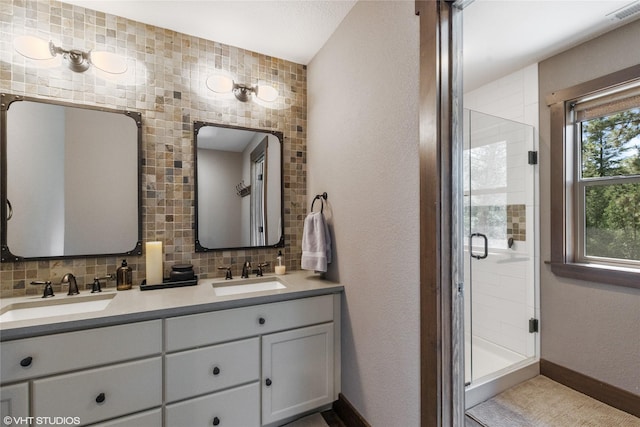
(363, 151)
(588, 327)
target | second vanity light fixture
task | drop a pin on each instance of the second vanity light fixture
(77, 60)
(219, 83)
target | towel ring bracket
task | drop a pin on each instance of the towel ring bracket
(322, 197)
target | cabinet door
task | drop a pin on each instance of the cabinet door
(297, 371)
(14, 403)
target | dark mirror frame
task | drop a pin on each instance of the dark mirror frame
(196, 128)
(5, 102)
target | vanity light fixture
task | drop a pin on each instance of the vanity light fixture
(77, 60)
(223, 84)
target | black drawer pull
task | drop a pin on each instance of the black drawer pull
(101, 398)
(216, 421)
(262, 320)
(216, 370)
(26, 361)
(268, 382)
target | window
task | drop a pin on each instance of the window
(595, 182)
(607, 187)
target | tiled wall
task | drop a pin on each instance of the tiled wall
(166, 83)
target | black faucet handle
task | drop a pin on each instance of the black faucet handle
(48, 290)
(96, 287)
(228, 275)
(260, 267)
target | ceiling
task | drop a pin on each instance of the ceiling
(500, 36)
(288, 29)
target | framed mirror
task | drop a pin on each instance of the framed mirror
(239, 189)
(71, 180)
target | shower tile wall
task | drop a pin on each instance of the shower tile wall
(168, 88)
(503, 294)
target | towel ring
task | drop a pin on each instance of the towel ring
(322, 198)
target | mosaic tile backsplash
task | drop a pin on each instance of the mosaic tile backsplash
(517, 222)
(166, 84)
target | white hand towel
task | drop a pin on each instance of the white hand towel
(316, 243)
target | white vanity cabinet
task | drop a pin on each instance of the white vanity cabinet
(290, 345)
(94, 374)
(252, 366)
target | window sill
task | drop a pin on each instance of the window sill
(598, 273)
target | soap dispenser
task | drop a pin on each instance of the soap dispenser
(124, 277)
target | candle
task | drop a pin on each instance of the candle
(154, 262)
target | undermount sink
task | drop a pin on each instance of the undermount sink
(224, 289)
(39, 308)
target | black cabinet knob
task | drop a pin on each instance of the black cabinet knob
(26, 361)
(101, 398)
(268, 382)
(262, 320)
(216, 370)
(216, 421)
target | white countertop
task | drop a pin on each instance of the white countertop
(137, 305)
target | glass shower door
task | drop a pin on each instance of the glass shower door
(499, 251)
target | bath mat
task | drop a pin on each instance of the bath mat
(541, 402)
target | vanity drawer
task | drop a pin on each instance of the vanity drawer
(51, 354)
(227, 325)
(102, 393)
(144, 419)
(237, 407)
(194, 372)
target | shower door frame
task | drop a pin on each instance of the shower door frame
(507, 184)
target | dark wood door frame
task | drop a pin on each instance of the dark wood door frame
(441, 303)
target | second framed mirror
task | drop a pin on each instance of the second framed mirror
(238, 187)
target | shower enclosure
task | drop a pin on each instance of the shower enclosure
(499, 215)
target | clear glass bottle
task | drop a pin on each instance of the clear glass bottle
(124, 277)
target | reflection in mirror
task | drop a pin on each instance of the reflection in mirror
(239, 187)
(72, 179)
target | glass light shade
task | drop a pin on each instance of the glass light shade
(219, 83)
(266, 93)
(33, 47)
(108, 62)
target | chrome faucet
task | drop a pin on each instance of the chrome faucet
(73, 284)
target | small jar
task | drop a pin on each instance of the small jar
(181, 272)
(124, 277)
